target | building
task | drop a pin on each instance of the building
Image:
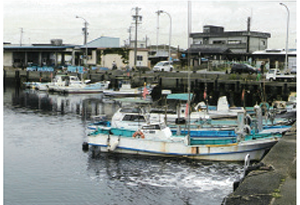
(275, 58)
(102, 52)
(52, 54)
(216, 44)
(161, 53)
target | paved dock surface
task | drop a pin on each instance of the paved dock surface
(275, 181)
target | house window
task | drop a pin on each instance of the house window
(263, 42)
(197, 41)
(139, 58)
(205, 40)
(234, 42)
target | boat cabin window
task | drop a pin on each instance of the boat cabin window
(151, 127)
(134, 118)
(162, 125)
(131, 110)
(162, 111)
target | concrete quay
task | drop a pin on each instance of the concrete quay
(274, 182)
(214, 84)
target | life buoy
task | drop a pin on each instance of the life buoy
(138, 134)
(264, 105)
(247, 129)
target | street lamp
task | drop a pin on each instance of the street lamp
(287, 37)
(170, 33)
(85, 37)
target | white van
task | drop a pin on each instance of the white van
(163, 66)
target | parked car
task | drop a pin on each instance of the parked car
(243, 68)
(163, 66)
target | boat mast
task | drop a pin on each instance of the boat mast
(188, 61)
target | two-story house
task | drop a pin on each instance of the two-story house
(216, 44)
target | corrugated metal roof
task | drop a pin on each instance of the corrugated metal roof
(209, 50)
(36, 46)
(275, 52)
(103, 42)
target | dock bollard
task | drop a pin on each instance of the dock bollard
(244, 174)
(85, 146)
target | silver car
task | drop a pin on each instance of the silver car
(163, 66)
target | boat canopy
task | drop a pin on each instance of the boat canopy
(180, 96)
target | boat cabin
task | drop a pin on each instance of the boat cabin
(157, 130)
(129, 118)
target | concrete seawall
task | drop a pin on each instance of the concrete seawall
(216, 85)
(275, 181)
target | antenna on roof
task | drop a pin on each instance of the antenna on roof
(21, 36)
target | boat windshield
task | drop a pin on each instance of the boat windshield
(131, 110)
(162, 125)
(134, 118)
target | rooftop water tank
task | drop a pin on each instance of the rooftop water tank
(56, 42)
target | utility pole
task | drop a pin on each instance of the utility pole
(85, 38)
(146, 43)
(85, 32)
(287, 37)
(248, 35)
(129, 38)
(136, 18)
(21, 36)
(157, 31)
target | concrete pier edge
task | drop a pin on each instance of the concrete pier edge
(273, 183)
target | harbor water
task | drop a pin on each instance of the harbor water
(44, 162)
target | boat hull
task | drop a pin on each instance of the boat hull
(179, 148)
(122, 93)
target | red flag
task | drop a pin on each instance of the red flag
(186, 109)
(145, 92)
(204, 94)
(243, 94)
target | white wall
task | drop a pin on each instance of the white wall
(92, 58)
(144, 55)
(107, 61)
(7, 58)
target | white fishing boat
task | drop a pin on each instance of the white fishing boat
(130, 118)
(96, 87)
(201, 112)
(156, 139)
(223, 110)
(73, 85)
(126, 90)
(63, 80)
(42, 86)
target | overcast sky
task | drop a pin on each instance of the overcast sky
(43, 20)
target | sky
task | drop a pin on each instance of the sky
(43, 20)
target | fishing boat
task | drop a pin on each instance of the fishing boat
(42, 86)
(157, 139)
(201, 110)
(125, 89)
(130, 118)
(96, 87)
(73, 85)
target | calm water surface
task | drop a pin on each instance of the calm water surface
(44, 162)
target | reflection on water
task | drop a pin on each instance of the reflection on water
(189, 180)
(44, 163)
(84, 105)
